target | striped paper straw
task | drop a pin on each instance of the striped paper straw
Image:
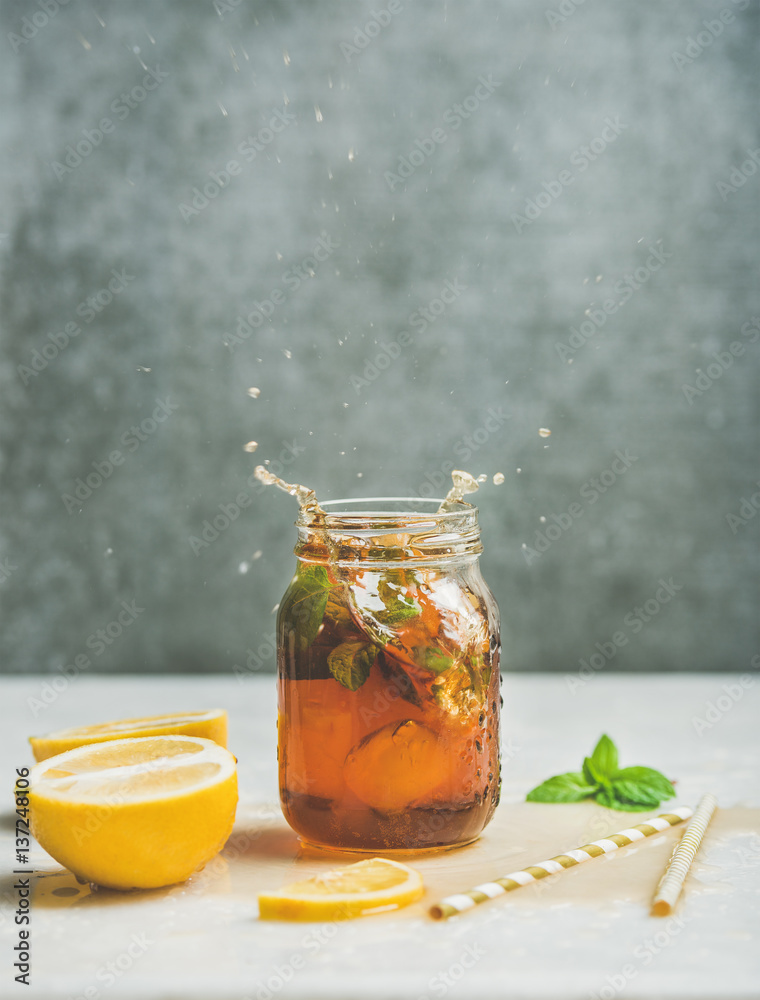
(462, 901)
(672, 881)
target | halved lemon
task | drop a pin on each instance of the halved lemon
(135, 813)
(363, 888)
(211, 725)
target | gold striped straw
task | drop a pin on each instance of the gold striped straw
(672, 881)
(462, 901)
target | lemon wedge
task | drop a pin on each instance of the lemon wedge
(211, 725)
(359, 889)
(135, 813)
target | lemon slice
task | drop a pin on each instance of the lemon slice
(366, 887)
(135, 813)
(210, 725)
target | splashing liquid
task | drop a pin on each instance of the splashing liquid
(307, 499)
(463, 483)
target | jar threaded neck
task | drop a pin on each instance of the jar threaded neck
(387, 530)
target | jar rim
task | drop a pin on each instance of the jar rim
(367, 529)
(387, 511)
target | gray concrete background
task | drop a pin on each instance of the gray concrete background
(684, 115)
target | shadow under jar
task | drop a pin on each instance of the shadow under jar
(388, 679)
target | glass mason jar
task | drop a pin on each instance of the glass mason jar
(388, 663)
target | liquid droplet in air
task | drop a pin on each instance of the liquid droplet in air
(251, 447)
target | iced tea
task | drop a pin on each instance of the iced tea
(388, 661)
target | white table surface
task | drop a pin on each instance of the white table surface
(584, 937)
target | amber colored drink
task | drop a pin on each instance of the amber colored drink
(388, 660)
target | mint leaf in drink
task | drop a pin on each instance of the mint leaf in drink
(432, 659)
(630, 789)
(350, 663)
(570, 787)
(306, 601)
(399, 607)
(336, 611)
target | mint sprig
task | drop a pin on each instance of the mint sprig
(629, 789)
(570, 787)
